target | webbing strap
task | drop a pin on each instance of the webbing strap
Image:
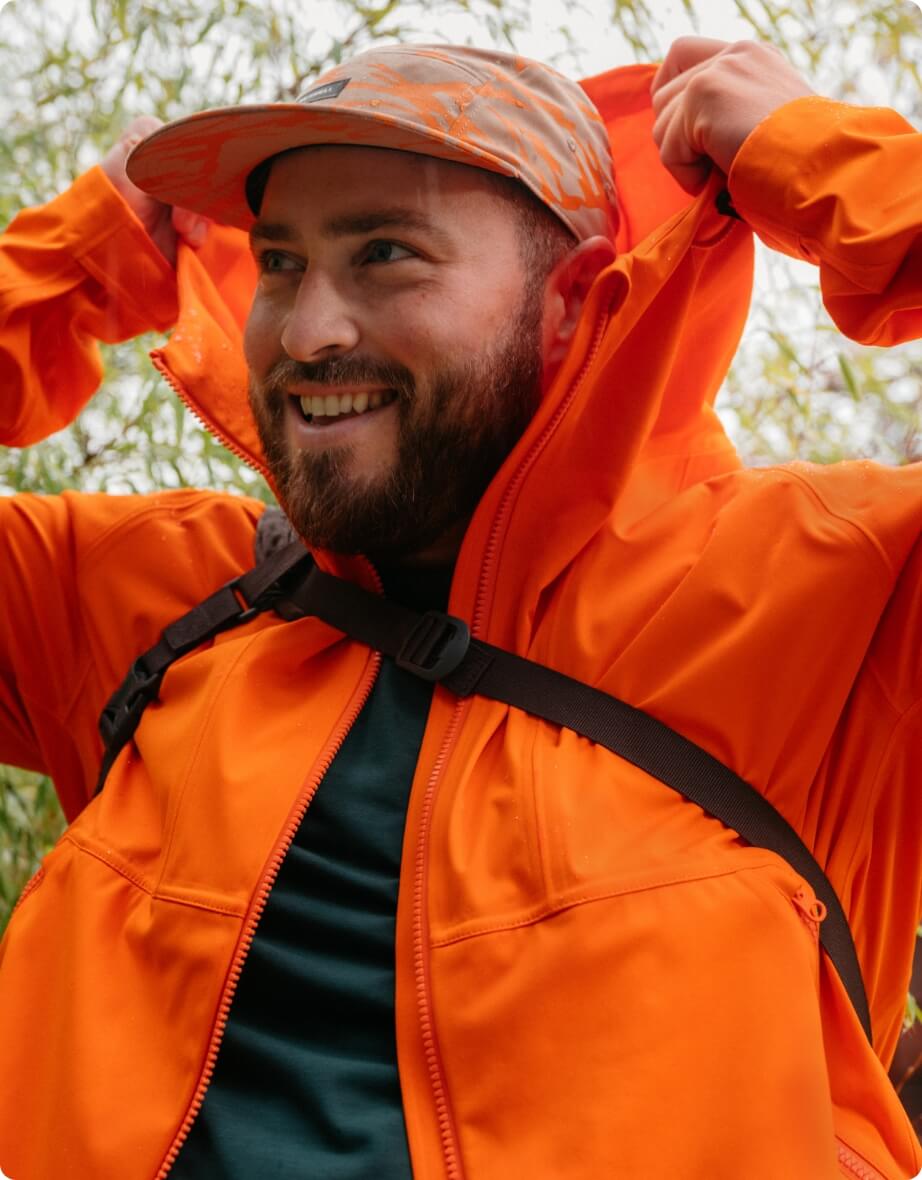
(438, 647)
(234, 603)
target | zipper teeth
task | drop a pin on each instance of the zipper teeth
(420, 921)
(421, 957)
(33, 883)
(431, 1051)
(263, 890)
(490, 552)
(856, 1164)
(160, 365)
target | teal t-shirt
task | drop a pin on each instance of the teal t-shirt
(306, 1083)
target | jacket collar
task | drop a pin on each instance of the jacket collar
(628, 420)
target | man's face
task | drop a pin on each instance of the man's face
(394, 345)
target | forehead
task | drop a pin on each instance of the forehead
(315, 179)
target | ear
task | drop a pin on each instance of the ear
(565, 291)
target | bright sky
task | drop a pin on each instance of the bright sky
(598, 46)
(593, 45)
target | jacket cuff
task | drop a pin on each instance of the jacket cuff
(796, 170)
(109, 242)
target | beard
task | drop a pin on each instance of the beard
(454, 432)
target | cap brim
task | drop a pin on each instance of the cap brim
(202, 162)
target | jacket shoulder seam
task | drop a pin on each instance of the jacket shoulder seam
(855, 526)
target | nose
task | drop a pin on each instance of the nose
(320, 321)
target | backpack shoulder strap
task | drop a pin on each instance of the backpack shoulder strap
(438, 647)
(235, 603)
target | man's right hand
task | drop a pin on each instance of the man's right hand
(165, 223)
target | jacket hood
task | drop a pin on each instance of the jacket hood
(628, 421)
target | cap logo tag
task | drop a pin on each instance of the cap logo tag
(328, 90)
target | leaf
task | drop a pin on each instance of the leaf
(848, 374)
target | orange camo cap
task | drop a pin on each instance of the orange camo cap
(480, 107)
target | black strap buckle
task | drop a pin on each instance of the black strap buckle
(435, 647)
(724, 203)
(121, 715)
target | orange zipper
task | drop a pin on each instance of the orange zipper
(261, 896)
(162, 368)
(33, 883)
(264, 886)
(421, 955)
(853, 1164)
(447, 1132)
(421, 964)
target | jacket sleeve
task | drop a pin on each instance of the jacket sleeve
(841, 186)
(75, 271)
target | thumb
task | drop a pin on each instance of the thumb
(139, 128)
(113, 163)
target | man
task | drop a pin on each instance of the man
(474, 361)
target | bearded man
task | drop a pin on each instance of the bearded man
(325, 918)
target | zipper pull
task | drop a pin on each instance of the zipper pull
(810, 908)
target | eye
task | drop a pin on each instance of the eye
(276, 262)
(383, 251)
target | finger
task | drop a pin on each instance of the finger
(141, 126)
(684, 53)
(192, 227)
(666, 93)
(688, 166)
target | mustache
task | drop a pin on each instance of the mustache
(338, 370)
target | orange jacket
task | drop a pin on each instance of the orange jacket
(593, 978)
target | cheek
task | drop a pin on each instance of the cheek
(482, 309)
(261, 341)
(433, 329)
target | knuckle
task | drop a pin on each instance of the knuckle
(703, 87)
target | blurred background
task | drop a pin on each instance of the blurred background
(77, 71)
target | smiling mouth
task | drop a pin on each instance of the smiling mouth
(333, 407)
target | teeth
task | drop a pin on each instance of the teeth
(334, 404)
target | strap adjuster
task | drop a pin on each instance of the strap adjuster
(435, 647)
(121, 715)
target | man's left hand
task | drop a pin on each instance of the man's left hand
(708, 95)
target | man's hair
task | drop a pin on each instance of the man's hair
(543, 238)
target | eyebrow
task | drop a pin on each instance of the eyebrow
(352, 224)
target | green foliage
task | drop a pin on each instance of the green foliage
(798, 389)
(30, 822)
(75, 75)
